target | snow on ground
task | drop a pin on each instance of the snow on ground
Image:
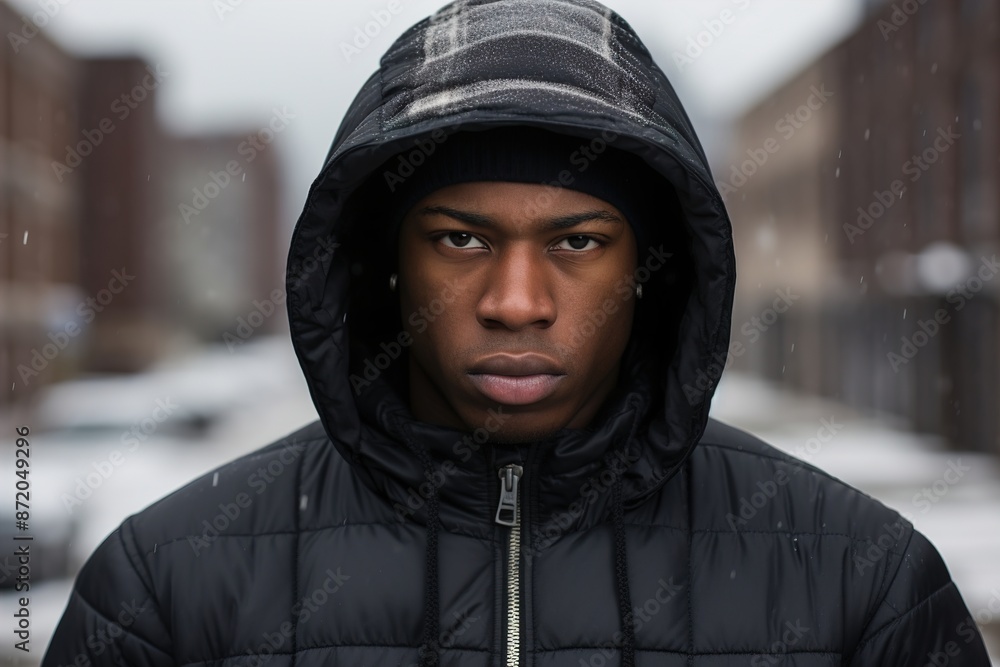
(951, 497)
(81, 490)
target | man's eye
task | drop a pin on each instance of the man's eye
(580, 242)
(461, 240)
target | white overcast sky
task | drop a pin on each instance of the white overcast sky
(229, 72)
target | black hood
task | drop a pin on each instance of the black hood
(571, 67)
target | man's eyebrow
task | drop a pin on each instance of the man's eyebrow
(561, 222)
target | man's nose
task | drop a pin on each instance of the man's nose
(518, 292)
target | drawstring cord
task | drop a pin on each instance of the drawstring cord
(621, 575)
(621, 558)
(429, 647)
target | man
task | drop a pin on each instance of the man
(510, 292)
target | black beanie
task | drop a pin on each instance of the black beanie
(526, 154)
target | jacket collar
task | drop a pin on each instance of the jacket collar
(567, 476)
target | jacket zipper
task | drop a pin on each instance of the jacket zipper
(509, 514)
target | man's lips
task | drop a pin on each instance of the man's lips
(516, 389)
(516, 380)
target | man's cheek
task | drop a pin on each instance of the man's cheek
(418, 325)
(438, 339)
(616, 329)
(418, 312)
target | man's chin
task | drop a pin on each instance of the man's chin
(520, 438)
(519, 429)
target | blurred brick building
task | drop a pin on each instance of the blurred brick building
(40, 218)
(121, 180)
(100, 270)
(879, 209)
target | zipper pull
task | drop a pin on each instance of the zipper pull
(507, 513)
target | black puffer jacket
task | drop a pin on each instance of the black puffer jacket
(654, 537)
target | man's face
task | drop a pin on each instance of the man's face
(519, 299)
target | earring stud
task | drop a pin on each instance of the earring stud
(638, 291)
(392, 282)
